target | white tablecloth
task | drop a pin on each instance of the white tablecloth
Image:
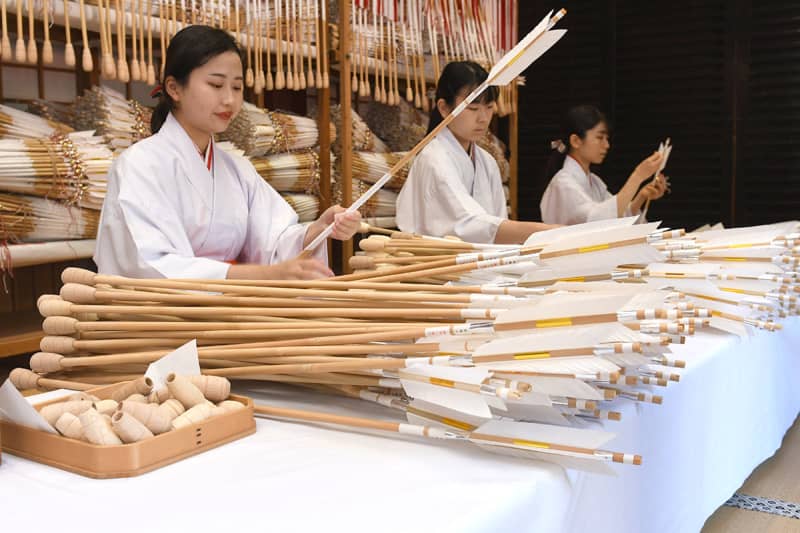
(728, 414)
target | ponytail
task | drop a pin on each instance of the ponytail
(160, 113)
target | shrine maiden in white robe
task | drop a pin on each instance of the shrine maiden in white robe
(575, 197)
(166, 215)
(450, 192)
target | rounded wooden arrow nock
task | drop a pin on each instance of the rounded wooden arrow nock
(54, 307)
(362, 262)
(23, 379)
(46, 363)
(78, 275)
(60, 325)
(78, 294)
(58, 344)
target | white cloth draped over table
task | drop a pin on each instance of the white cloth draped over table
(575, 197)
(730, 410)
(449, 192)
(167, 215)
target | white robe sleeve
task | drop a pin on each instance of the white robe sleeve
(453, 209)
(565, 202)
(141, 234)
(273, 234)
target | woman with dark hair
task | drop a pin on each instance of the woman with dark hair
(179, 207)
(454, 186)
(576, 195)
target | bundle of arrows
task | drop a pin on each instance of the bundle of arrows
(506, 347)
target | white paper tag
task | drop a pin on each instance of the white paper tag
(184, 361)
(15, 408)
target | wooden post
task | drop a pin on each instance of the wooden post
(324, 125)
(346, 130)
(513, 145)
(513, 135)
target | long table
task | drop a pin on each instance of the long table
(735, 401)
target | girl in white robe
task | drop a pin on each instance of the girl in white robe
(179, 207)
(575, 195)
(454, 186)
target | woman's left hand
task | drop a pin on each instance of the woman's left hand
(656, 188)
(345, 224)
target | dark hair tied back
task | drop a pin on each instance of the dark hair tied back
(190, 48)
(577, 121)
(459, 78)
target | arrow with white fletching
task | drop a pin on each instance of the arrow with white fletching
(510, 66)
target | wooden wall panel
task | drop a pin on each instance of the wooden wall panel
(721, 78)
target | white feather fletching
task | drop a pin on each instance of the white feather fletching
(585, 464)
(599, 238)
(591, 439)
(544, 238)
(554, 339)
(564, 305)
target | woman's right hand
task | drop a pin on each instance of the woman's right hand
(648, 167)
(298, 268)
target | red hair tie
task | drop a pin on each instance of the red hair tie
(157, 91)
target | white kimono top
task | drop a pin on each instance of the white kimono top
(575, 197)
(449, 192)
(167, 215)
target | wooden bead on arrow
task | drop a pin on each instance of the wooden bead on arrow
(46, 362)
(129, 428)
(69, 426)
(184, 391)
(54, 307)
(196, 414)
(60, 325)
(53, 412)
(230, 406)
(106, 407)
(22, 379)
(138, 398)
(159, 396)
(154, 419)
(142, 386)
(97, 429)
(214, 388)
(57, 344)
(172, 408)
(79, 294)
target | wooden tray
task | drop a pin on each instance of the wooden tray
(127, 460)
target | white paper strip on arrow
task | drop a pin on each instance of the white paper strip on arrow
(437, 385)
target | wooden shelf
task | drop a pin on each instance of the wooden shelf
(20, 333)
